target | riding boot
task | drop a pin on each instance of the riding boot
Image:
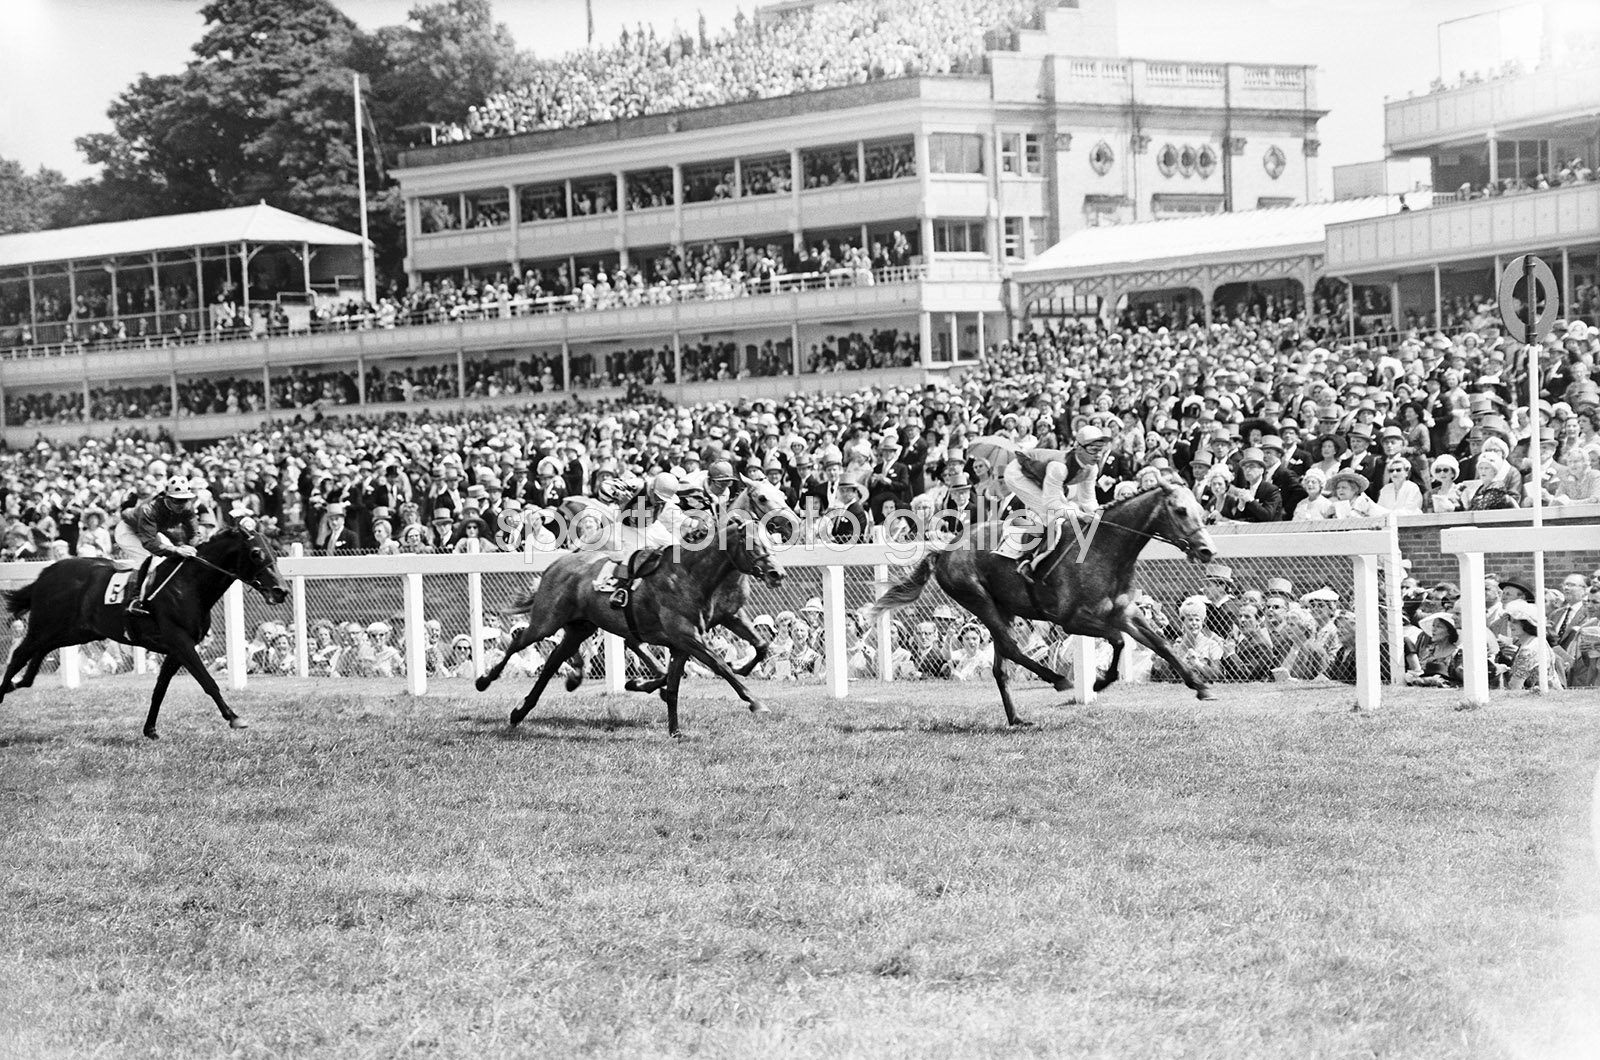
(139, 606)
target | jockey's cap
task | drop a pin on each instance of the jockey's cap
(665, 486)
(179, 489)
(1090, 435)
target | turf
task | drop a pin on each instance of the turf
(364, 875)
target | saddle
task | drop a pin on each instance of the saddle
(124, 584)
(618, 578)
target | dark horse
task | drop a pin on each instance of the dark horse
(670, 607)
(1085, 593)
(766, 504)
(66, 605)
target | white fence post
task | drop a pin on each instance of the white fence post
(616, 660)
(1083, 668)
(416, 640)
(885, 628)
(1369, 669)
(297, 594)
(141, 660)
(833, 650)
(1397, 614)
(475, 619)
(1474, 631)
(71, 671)
(234, 634)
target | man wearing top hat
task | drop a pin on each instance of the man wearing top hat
(890, 478)
(1222, 610)
(1251, 498)
(1362, 460)
(336, 537)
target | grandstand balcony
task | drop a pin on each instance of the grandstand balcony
(1527, 106)
(1560, 221)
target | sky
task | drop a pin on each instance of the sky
(62, 62)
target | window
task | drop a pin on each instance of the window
(891, 159)
(488, 209)
(1012, 228)
(1267, 202)
(958, 237)
(765, 175)
(708, 181)
(1021, 153)
(439, 214)
(649, 189)
(955, 153)
(1163, 205)
(543, 202)
(594, 195)
(827, 166)
(1274, 162)
(1102, 158)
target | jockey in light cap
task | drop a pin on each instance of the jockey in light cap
(1051, 484)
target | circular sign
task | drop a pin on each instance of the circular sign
(1544, 286)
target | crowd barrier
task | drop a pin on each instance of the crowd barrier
(460, 593)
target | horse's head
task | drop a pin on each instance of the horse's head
(244, 552)
(1181, 520)
(747, 542)
(768, 506)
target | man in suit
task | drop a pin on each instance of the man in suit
(890, 478)
(1563, 621)
(1362, 460)
(1251, 498)
(1278, 473)
(337, 539)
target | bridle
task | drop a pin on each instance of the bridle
(254, 581)
(1182, 546)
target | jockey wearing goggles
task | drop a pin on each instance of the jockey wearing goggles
(164, 525)
(1052, 484)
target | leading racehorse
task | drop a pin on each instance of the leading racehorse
(1084, 587)
(67, 605)
(670, 606)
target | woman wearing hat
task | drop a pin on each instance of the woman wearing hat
(1531, 653)
(1445, 494)
(1350, 499)
(1399, 494)
(93, 537)
(1329, 450)
(1436, 659)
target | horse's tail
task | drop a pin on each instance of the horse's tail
(522, 603)
(20, 601)
(905, 591)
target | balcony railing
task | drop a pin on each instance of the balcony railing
(661, 294)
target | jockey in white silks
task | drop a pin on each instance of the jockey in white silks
(648, 518)
(1052, 484)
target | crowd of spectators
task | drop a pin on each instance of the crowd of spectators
(1573, 171)
(815, 47)
(1262, 421)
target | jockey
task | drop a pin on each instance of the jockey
(1051, 484)
(648, 518)
(164, 525)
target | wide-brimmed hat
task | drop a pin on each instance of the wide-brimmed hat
(1353, 477)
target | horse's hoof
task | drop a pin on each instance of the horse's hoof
(238, 723)
(573, 681)
(482, 683)
(675, 734)
(758, 707)
(632, 684)
(1204, 693)
(1021, 723)
(151, 734)
(1063, 685)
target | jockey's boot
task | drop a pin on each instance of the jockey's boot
(139, 606)
(1028, 566)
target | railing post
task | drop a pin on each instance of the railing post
(1083, 669)
(1369, 669)
(616, 660)
(885, 629)
(297, 594)
(1396, 602)
(833, 650)
(1474, 632)
(475, 619)
(416, 642)
(71, 670)
(141, 660)
(234, 634)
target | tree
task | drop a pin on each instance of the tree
(29, 203)
(448, 56)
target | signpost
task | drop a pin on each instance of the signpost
(1529, 327)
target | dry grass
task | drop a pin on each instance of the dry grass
(368, 875)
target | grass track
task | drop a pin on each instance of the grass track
(370, 875)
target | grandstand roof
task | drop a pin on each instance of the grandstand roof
(240, 224)
(1267, 233)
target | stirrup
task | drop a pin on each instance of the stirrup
(619, 599)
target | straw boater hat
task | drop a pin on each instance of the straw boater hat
(1353, 477)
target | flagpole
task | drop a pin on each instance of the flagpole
(369, 286)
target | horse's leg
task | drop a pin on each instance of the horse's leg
(703, 655)
(528, 635)
(740, 627)
(1117, 643)
(655, 683)
(576, 634)
(1142, 631)
(21, 656)
(184, 651)
(169, 667)
(670, 692)
(34, 663)
(988, 612)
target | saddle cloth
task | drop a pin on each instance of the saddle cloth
(124, 583)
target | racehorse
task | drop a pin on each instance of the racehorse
(1090, 596)
(66, 605)
(766, 504)
(670, 606)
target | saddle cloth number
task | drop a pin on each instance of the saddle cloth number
(606, 579)
(117, 587)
